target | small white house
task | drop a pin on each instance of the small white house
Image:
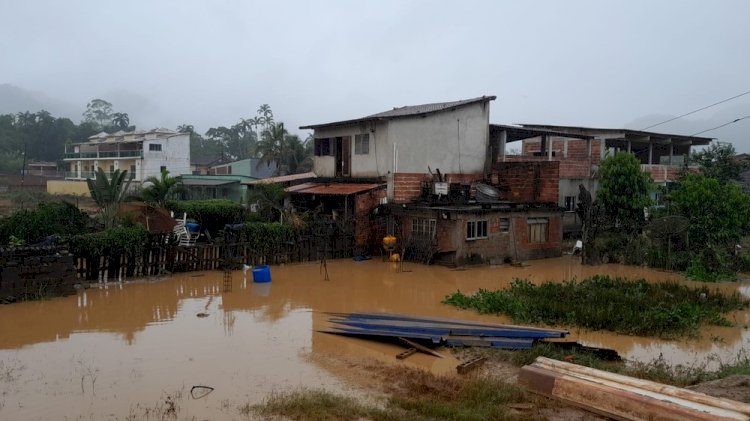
(142, 153)
(396, 144)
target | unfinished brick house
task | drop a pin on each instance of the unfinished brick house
(580, 150)
(419, 166)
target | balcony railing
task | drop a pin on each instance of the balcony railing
(104, 154)
(83, 175)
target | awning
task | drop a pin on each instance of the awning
(208, 183)
(335, 189)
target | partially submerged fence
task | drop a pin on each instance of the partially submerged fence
(35, 272)
(161, 256)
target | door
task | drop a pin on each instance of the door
(343, 156)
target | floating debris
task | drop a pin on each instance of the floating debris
(197, 392)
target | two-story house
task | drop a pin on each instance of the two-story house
(142, 153)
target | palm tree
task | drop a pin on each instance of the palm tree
(264, 111)
(121, 120)
(160, 189)
(109, 192)
(271, 147)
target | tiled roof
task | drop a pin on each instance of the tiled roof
(409, 110)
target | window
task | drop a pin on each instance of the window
(154, 147)
(570, 203)
(423, 227)
(504, 224)
(132, 169)
(322, 147)
(362, 144)
(538, 228)
(111, 170)
(476, 230)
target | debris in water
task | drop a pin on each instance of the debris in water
(197, 392)
(469, 365)
(202, 314)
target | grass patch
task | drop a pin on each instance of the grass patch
(637, 307)
(413, 395)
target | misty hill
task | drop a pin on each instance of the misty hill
(14, 100)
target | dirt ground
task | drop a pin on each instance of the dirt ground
(733, 387)
(370, 376)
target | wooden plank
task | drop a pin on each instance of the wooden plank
(409, 352)
(469, 365)
(618, 402)
(420, 347)
(575, 369)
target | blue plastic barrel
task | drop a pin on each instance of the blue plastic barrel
(192, 226)
(261, 273)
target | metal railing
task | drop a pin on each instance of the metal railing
(104, 154)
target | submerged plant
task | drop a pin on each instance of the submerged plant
(603, 303)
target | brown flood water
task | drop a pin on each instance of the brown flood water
(115, 351)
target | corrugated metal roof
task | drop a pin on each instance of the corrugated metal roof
(336, 189)
(282, 178)
(204, 182)
(409, 110)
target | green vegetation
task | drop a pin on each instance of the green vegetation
(108, 193)
(267, 238)
(615, 304)
(719, 161)
(414, 395)
(623, 191)
(49, 218)
(112, 242)
(159, 189)
(212, 214)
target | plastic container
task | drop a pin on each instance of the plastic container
(192, 226)
(261, 274)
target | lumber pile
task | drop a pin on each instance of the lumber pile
(437, 331)
(623, 397)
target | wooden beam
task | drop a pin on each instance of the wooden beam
(420, 348)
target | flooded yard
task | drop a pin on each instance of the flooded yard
(129, 351)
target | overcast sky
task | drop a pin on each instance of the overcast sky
(208, 63)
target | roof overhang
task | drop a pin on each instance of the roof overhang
(207, 183)
(628, 135)
(332, 189)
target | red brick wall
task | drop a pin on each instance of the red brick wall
(528, 181)
(664, 173)
(408, 186)
(364, 203)
(577, 149)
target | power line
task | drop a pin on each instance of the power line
(725, 124)
(695, 111)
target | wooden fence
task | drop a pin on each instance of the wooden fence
(160, 258)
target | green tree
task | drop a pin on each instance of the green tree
(719, 161)
(624, 190)
(268, 200)
(719, 213)
(121, 121)
(108, 193)
(160, 189)
(99, 112)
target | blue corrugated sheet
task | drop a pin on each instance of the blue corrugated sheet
(439, 331)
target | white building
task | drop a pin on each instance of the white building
(400, 144)
(142, 153)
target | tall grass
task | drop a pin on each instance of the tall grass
(602, 303)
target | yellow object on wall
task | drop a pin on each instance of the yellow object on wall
(76, 188)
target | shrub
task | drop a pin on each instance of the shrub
(267, 238)
(116, 241)
(49, 218)
(212, 214)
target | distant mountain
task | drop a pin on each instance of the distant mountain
(14, 100)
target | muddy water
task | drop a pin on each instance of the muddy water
(120, 351)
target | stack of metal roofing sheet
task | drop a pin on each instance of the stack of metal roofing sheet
(439, 331)
(623, 397)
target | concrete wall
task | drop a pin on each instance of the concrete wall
(75, 188)
(453, 141)
(174, 154)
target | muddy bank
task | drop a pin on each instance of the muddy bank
(109, 351)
